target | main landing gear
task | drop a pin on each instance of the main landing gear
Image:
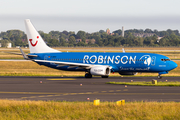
(104, 76)
(88, 75)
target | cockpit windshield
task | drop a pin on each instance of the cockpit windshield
(165, 59)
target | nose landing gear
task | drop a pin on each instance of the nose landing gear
(160, 73)
(159, 76)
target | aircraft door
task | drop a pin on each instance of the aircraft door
(45, 58)
(153, 61)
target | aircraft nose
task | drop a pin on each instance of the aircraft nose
(173, 65)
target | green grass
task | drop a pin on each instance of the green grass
(144, 83)
(33, 110)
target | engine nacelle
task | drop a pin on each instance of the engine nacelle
(100, 70)
(128, 73)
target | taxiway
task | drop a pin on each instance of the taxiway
(79, 89)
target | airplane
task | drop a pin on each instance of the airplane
(98, 64)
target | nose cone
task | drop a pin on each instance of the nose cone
(173, 65)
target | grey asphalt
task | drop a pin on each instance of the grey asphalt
(80, 89)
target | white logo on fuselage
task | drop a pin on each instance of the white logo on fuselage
(109, 59)
(147, 59)
(115, 59)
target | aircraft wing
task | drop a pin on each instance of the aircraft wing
(70, 64)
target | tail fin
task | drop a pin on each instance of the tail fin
(35, 41)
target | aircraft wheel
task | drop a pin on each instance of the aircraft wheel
(87, 75)
(104, 76)
(159, 77)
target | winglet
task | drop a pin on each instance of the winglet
(123, 50)
(24, 55)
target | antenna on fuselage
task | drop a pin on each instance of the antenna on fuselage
(123, 50)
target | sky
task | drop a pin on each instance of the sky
(90, 15)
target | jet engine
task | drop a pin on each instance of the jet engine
(100, 70)
(128, 73)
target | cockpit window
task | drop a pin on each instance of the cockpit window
(165, 60)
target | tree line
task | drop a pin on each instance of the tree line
(101, 38)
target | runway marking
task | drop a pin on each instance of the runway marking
(41, 96)
(142, 94)
(103, 91)
(118, 90)
(24, 97)
(50, 95)
(32, 97)
(96, 92)
(111, 93)
(57, 94)
(73, 93)
(26, 93)
(62, 79)
(125, 90)
(111, 90)
(100, 93)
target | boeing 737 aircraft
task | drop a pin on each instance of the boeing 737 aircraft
(100, 64)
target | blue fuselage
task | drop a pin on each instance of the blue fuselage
(120, 62)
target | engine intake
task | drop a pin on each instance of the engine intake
(100, 70)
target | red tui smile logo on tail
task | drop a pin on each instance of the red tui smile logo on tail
(32, 43)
